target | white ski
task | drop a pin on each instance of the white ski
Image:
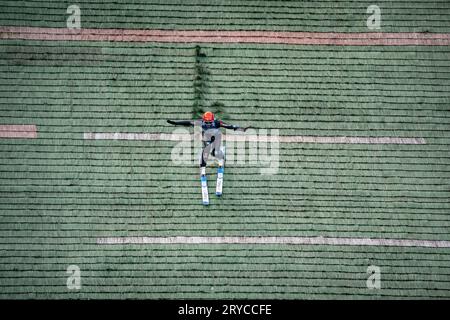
(205, 196)
(220, 169)
(219, 182)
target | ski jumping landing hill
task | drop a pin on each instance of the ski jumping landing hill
(346, 207)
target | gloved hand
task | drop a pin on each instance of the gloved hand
(240, 129)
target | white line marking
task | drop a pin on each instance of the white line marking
(134, 136)
(277, 240)
(261, 138)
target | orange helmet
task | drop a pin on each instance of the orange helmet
(208, 116)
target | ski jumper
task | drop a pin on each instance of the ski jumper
(211, 141)
(211, 137)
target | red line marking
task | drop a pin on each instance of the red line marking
(203, 36)
(18, 131)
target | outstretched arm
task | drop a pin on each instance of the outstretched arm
(232, 126)
(186, 123)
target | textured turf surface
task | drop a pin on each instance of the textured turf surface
(59, 192)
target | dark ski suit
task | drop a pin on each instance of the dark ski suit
(211, 137)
